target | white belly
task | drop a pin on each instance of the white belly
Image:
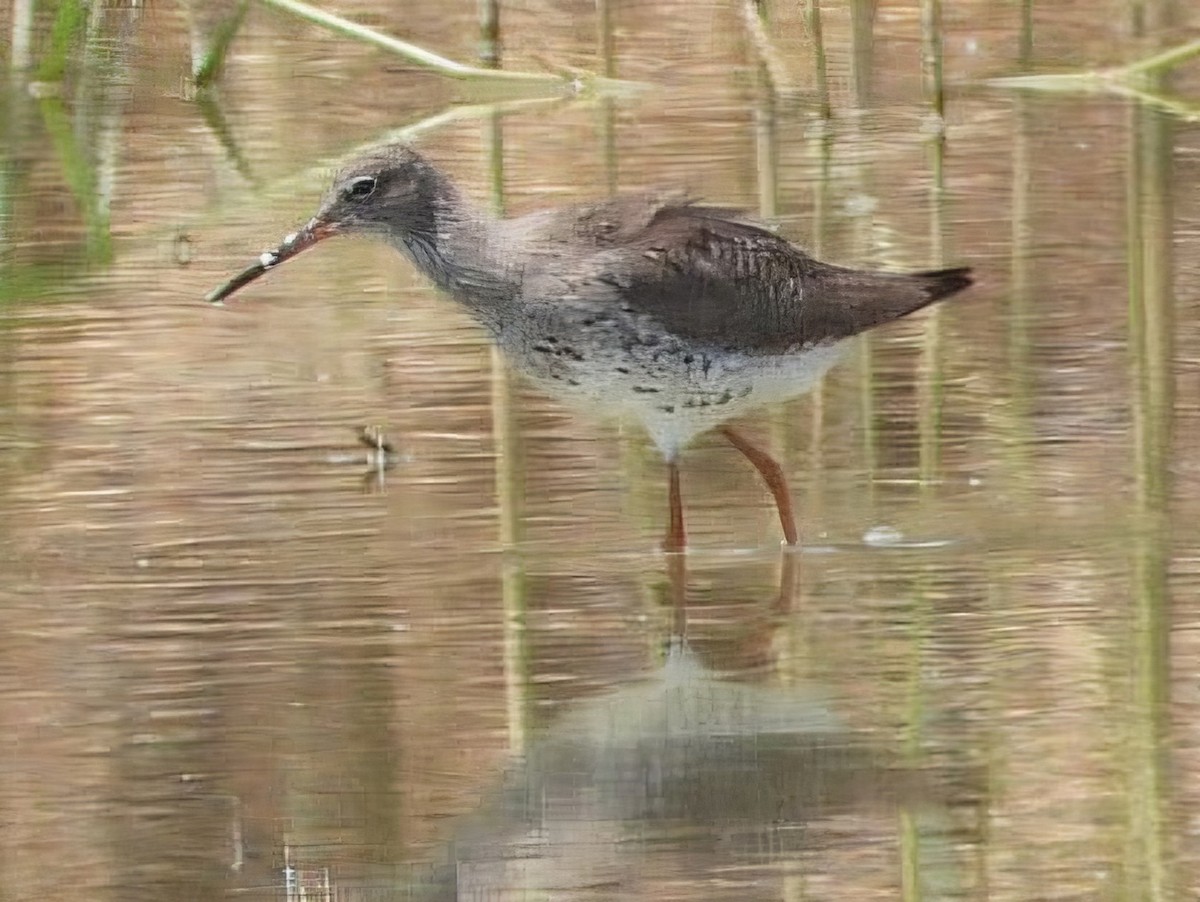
(676, 402)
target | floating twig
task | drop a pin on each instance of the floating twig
(376, 439)
(381, 457)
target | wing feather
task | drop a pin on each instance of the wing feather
(714, 279)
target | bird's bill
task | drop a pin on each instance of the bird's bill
(315, 230)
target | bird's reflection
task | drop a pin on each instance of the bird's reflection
(686, 770)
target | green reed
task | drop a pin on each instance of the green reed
(208, 66)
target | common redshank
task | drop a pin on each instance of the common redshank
(677, 314)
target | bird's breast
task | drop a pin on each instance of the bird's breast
(675, 389)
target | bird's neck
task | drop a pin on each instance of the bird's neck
(456, 250)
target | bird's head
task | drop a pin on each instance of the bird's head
(390, 193)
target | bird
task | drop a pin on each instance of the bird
(655, 307)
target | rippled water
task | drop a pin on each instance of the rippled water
(239, 660)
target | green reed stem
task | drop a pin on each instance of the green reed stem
(812, 19)
(419, 55)
(70, 22)
(210, 64)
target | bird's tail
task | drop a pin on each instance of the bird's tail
(941, 283)
(855, 301)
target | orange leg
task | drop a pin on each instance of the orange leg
(677, 580)
(676, 540)
(773, 476)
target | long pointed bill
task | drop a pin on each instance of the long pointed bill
(315, 230)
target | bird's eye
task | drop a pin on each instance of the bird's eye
(361, 188)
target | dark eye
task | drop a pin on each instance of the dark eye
(361, 188)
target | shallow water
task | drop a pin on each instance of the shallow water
(238, 660)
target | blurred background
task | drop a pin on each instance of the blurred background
(238, 660)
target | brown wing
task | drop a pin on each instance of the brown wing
(717, 280)
(582, 228)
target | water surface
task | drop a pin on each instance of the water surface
(237, 662)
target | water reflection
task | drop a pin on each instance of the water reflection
(728, 782)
